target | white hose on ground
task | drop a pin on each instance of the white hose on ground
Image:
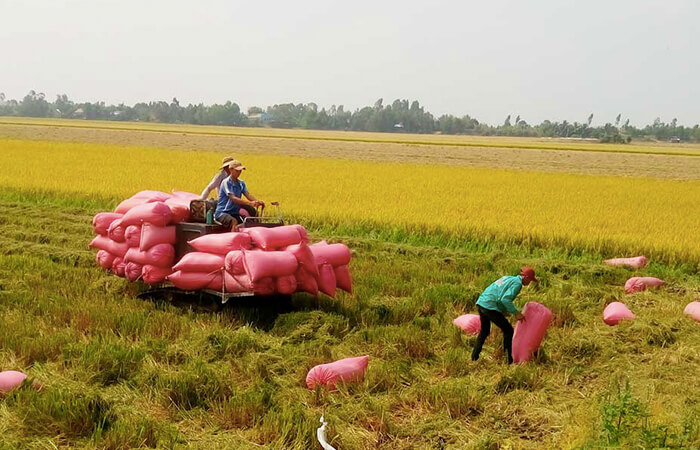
(321, 436)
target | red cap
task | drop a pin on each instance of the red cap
(528, 272)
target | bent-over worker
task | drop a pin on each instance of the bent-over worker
(233, 189)
(495, 302)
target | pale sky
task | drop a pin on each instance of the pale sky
(540, 59)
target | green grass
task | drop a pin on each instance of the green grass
(120, 372)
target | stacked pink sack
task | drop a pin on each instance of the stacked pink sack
(136, 241)
(265, 261)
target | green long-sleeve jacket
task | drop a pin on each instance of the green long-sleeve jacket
(500, 294)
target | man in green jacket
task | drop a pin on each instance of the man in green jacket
(496, 301)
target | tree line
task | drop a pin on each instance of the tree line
(401, 116)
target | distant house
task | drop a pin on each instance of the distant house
(78, 113)
(675, 140)
(260, 118)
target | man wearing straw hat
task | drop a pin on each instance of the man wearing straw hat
(231, 201)
(215, 183)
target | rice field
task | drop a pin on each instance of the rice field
(604, 215)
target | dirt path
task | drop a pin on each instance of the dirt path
(599, 163)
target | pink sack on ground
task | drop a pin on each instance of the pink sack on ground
(133, 271)
(105, 243)
(530, 332)
(156, 196)
(262, 264)
(189, 196)
(11, 379)
(234, 262)
(616, 312)
(274, 238)
(326, 280)
(119, 267)
(156, 213)
(192, 281)
(132, 235)
(636, 263)
(116, 231)
(180, 209)
(342, 371)
(221, 243)
(161, 255)
(153, 235)
(105, 259)
(333, 254)
(129, 203)
(469, 323)
(639, 284)
(226, 283)
(693, 310)
(102, 220)
(286, 285)
(154, 274)
(342, 278)
(200, 262)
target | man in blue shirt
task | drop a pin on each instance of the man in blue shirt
(231, 193)
(496, 301)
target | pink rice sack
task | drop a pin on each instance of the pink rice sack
(233, 263)
(126, 205)
(262, 264)
(286, 285)
(105, 259)
(102, 220)
(469, 323)
(221, 243)
(639, 284)
(265, 286)
(161, 255)
(305, 257)
(530, 332)
(116, 231)
(636, 263)
(11, 379)
(132, 235)
(108, 245)
(154, 196)
(189, 196)
(154, 274)
(180, 209)
(156, 213)
(306, 282)
(274, 238)
(693, 310)
(342, 278)
(302, 233)
(133, 271)
(341, 371)
(616, 312)
(119, 267)
(333, 254)
(326, 280)
(200, 262)
(153, 235)
(224, 281)
(192, 281)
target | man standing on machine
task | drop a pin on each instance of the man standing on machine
(228, 209)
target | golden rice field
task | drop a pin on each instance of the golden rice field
(610, 215)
